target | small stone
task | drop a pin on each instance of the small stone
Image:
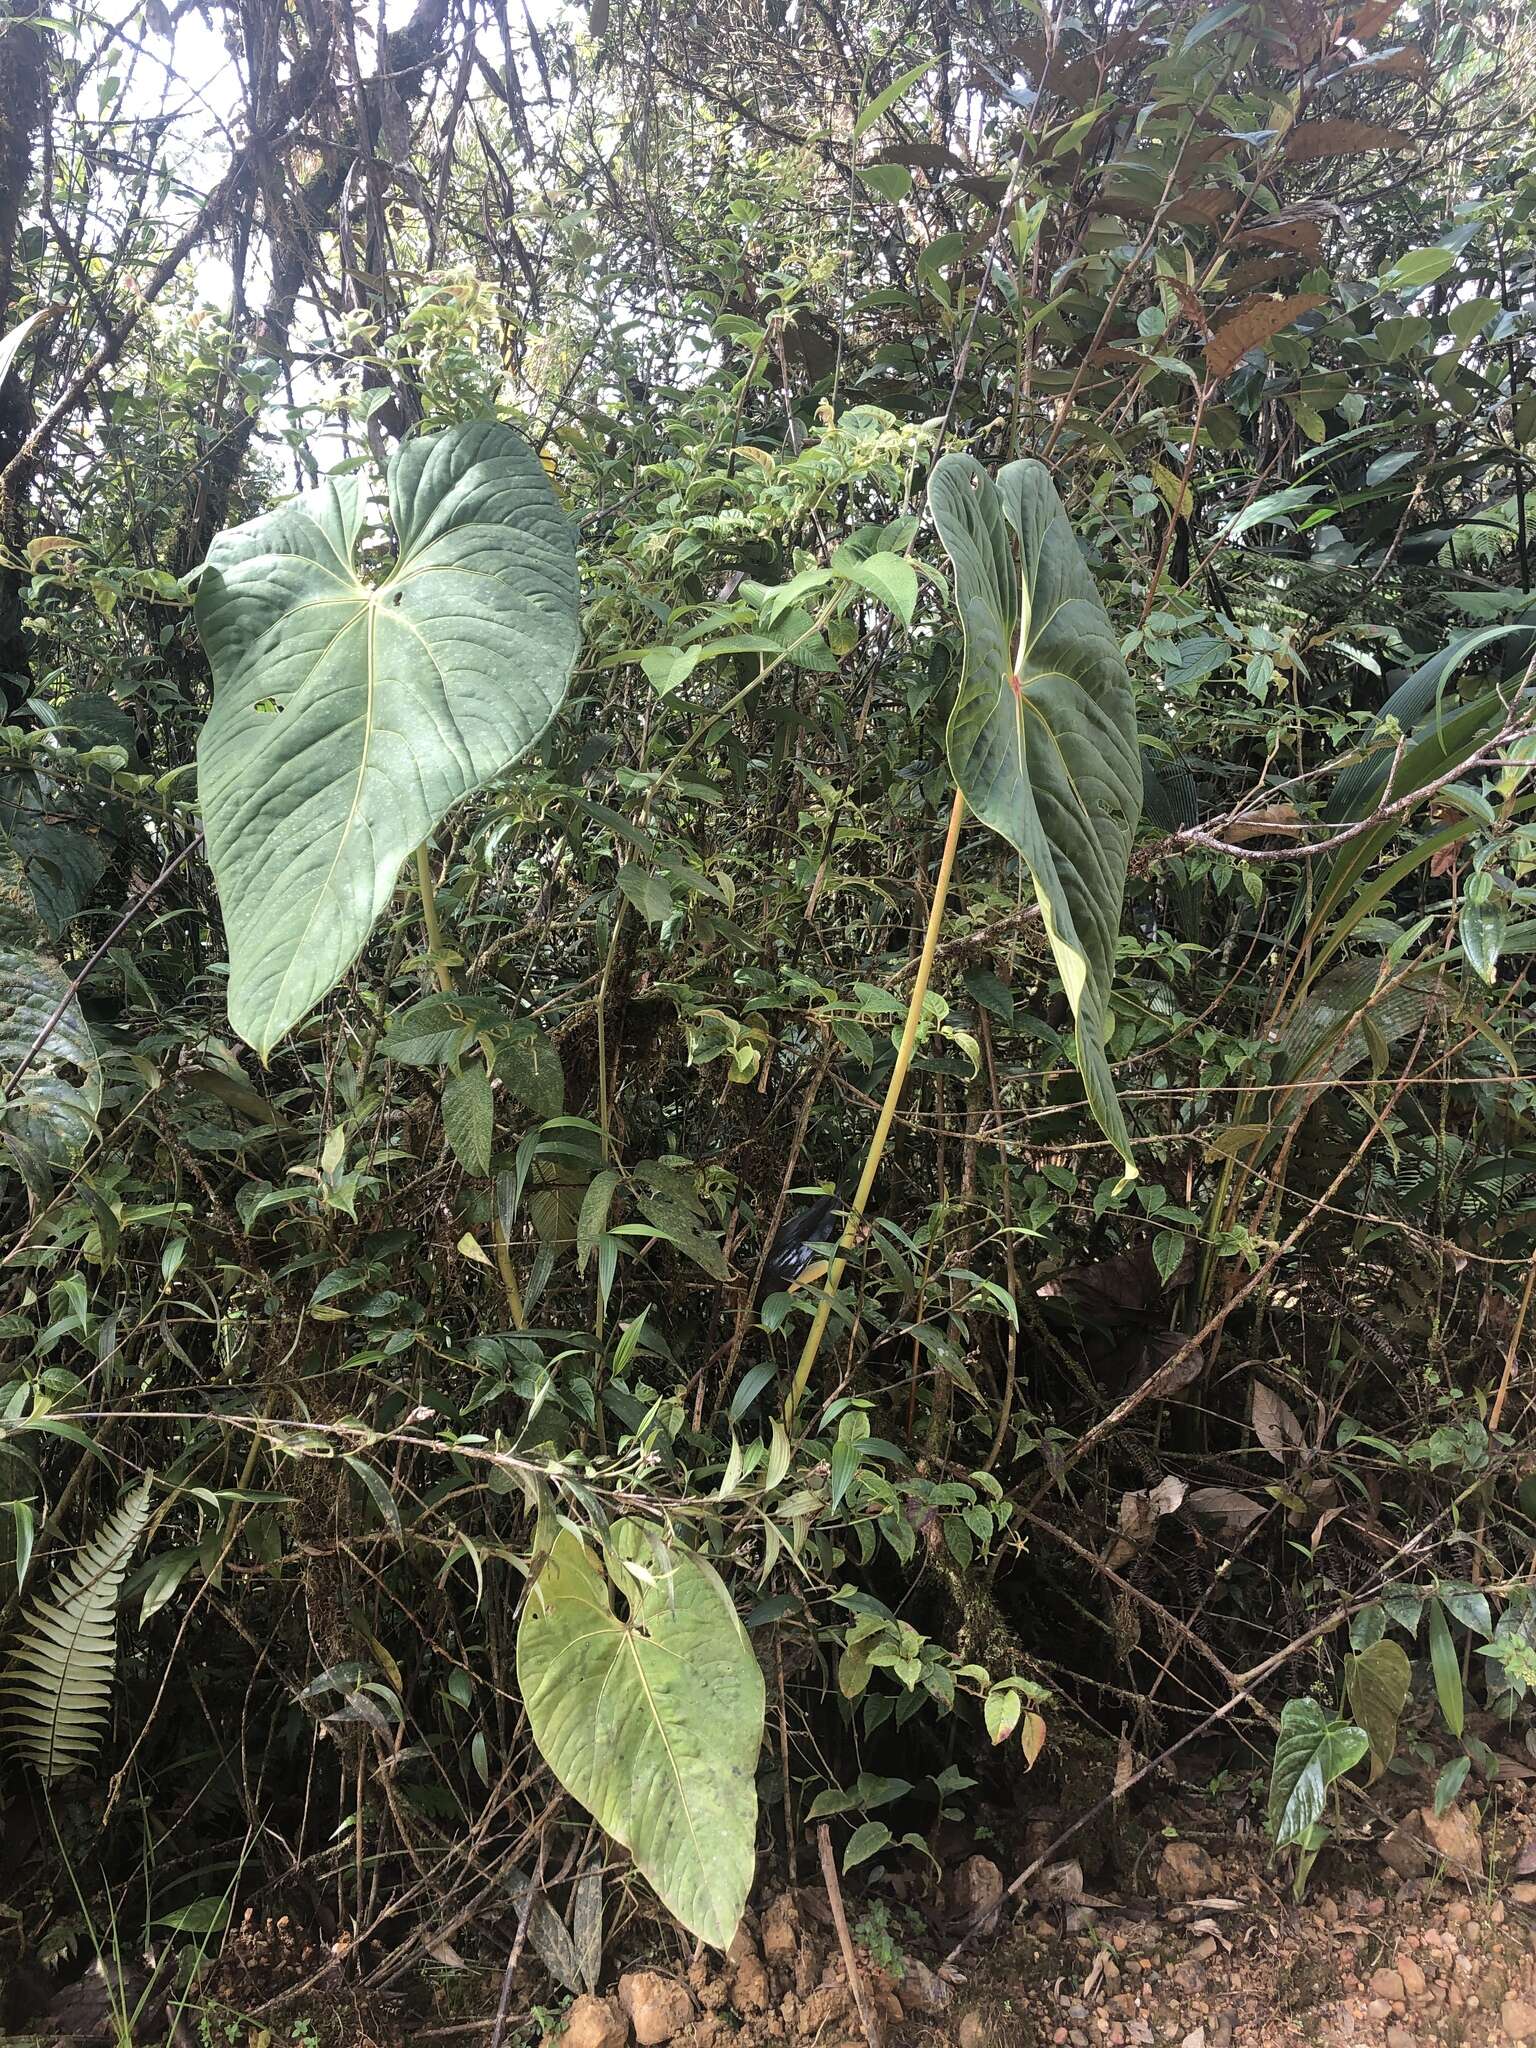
(1414, 1981)
(975, 2032)
(821, 2007)
(978, 1889)
(749, 1985)
(1400, 2037)
(595, 2023)
(1524, 1893)
(922, 1990)
(1379, 2009)
(1195, 2038)
(1453, 1835)
(658, 2006)
(1404, 1851)
(1387, 1984)
(1185, 1872)
(780, 1928)
(1518, 2019)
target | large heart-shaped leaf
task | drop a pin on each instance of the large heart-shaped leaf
(654, 1722)
(348, 717)
(1042, 738)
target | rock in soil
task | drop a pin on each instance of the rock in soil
(658, 2007)
(977, 1891)
(595, 2023)
(1454, 1836)
(1518, 2019)
(780, 1929)
(1186, 1872)
(922, 1990)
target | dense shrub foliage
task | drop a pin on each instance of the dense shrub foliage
(395, 1201)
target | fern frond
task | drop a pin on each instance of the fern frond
(57, 1682)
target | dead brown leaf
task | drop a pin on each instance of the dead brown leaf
(1309, 142)
(1252, 326)
(1275, 1424)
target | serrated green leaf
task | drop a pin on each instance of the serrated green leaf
(469, 1118)
(349, 717)
(1042, 738)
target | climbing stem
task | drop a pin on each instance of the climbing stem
(888, 1110)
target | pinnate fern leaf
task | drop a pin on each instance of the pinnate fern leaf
(57, 1682)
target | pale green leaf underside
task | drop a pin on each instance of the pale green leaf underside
(349, 717)
(57, 1684)
(653, 1724)
(1042, 739)
(53, 1111)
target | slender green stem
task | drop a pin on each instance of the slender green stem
(887, 1115)
(429, 918)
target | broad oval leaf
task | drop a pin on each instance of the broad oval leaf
(1042, 739)
(1376, 1684)
(1310, 1752)
(653, 1723)
(348, 717)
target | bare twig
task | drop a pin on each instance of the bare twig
(869, 2020)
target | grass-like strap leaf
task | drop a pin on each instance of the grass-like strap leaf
(1042, 739)
(57, 1683)
(348, 717)
(653, 1722)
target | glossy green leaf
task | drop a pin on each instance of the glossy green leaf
(653, 1722)
(1042, 738)
(1311, 1750)
(1376, 1685)
(349, 717)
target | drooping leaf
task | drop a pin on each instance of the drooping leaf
(12, 343)
(1042, 738)
(57, 1684)
(654, 1722)
(348, 717)
(1312, 1749)
(1376, 1685)
(1309, 142)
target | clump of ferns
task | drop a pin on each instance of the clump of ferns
(56, 1673)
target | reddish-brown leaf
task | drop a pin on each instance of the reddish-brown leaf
(1301, 232)
(1251, 326)
(1309, 142)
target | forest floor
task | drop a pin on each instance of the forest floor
(1418, 1930)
